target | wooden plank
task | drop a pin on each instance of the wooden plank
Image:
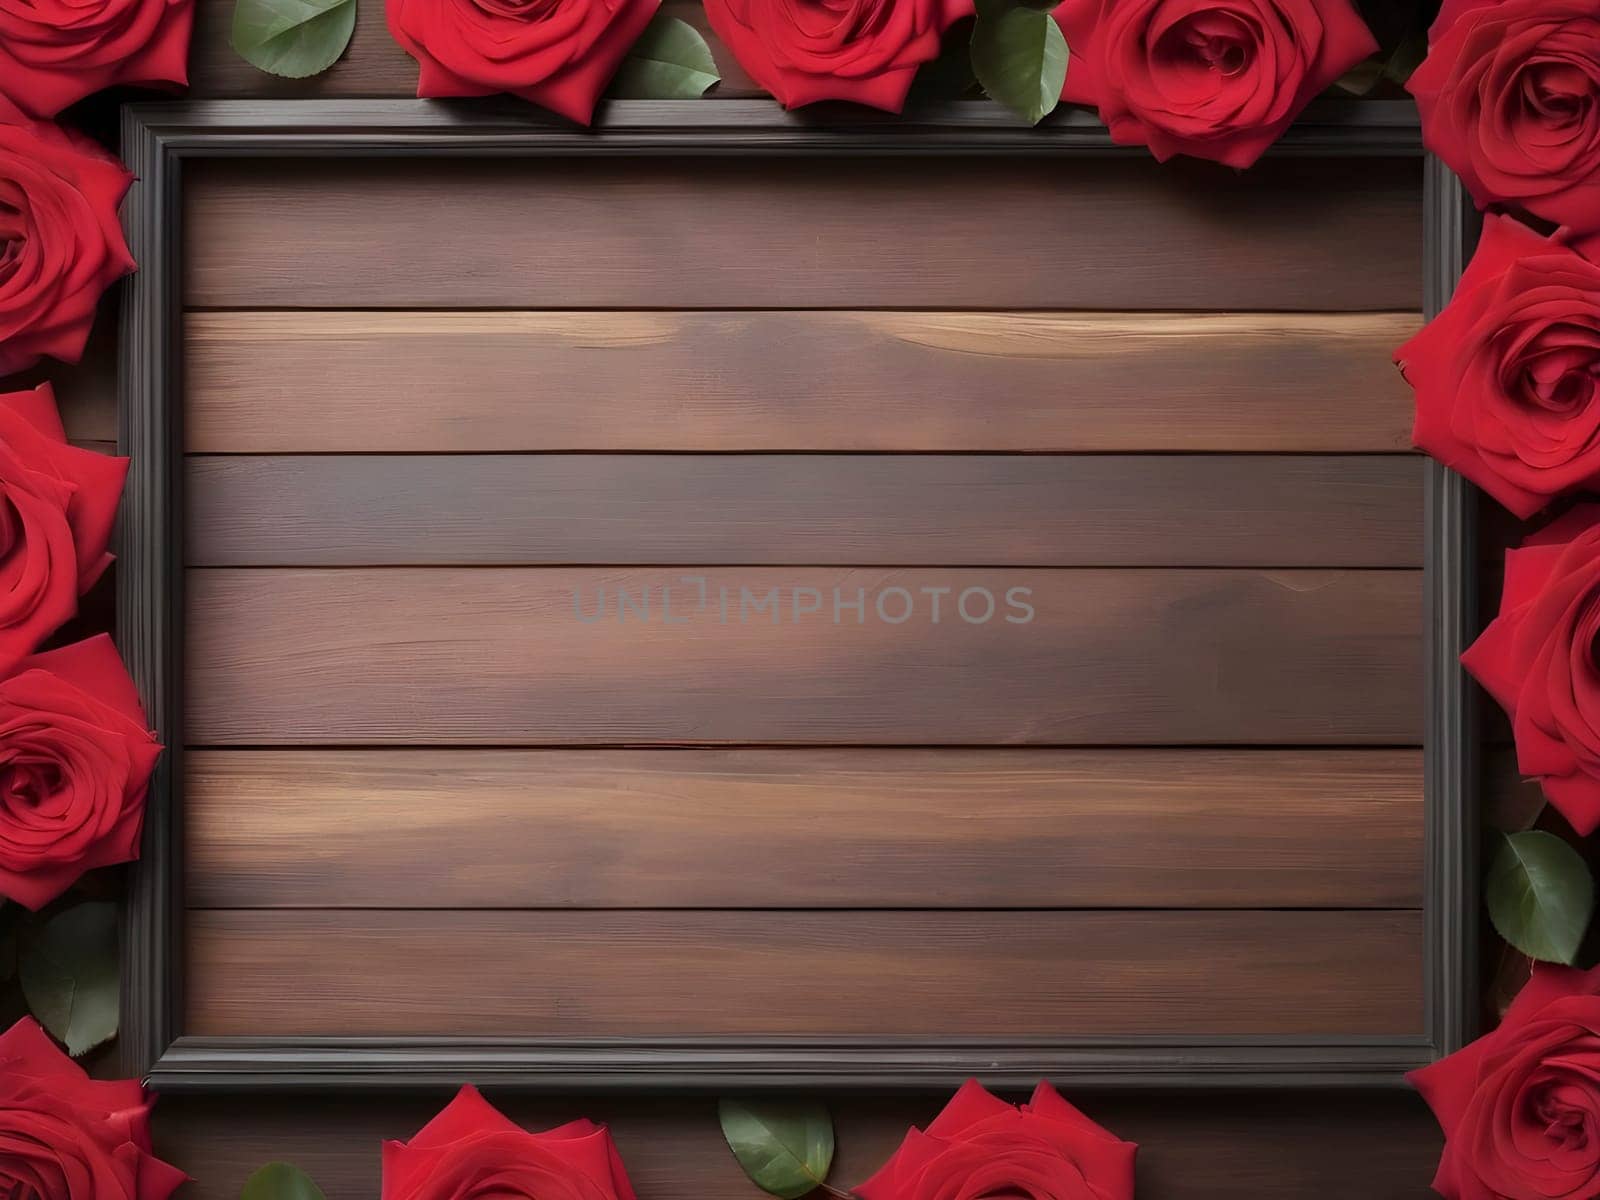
(501, 657)
(310, 972)
(446, 382)
(875, 510)
(374, 65)
(803, 829)
(1294, 234)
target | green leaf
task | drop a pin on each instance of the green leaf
(1020, 57)
(1540, 895)
(1360, 79)
(670, 61)
(785, 1148)
(1407, 57)
(293, 38)
(280, 1181)
(1395, 67)
(68, 969)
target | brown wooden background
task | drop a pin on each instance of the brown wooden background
(721, 343)
(382, 581)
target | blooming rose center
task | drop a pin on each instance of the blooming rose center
(838, 20)
(10, 537)
(521, 10)
(1561, 376)
(1559, 95)
(1211, 42)
(26, 782)
(1563, 1126)
(1563, 1111)
(1586, 640)
(13, 236)
(17, 1189)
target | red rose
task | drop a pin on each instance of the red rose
(1219, 79)
(57, 504)
(1540, 660)
(1520, 1108)
(803, 51)
(1510, 99)
(64, 1136)
(470, 1152)
(75, 762)
(54, 52)
(60, 242)
(557, 53)
(982, 1146)
(1508, 376)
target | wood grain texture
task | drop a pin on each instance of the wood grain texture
(499, 656)
(1295, 234)
(307, 972)
(803, 829)
(869, 510)
(1327, 1146)
(445, 382)
(374, 65)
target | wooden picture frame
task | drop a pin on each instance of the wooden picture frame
(160, 139)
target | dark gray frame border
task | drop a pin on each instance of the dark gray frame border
(158, 139)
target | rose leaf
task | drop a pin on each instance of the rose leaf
(293, 38)
(1020, 57)
(280, 1181)
(1407, 57)
(786, 1149)
(1540, 895)
(670, 61)
(1360, 79)
(68, 969)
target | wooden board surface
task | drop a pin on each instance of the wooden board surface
(1328, 1146)
(499, 656)
(1020, 974)
(803, 829)
(445, 382)
(413, 762)
(719, 234)
(868, 510)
